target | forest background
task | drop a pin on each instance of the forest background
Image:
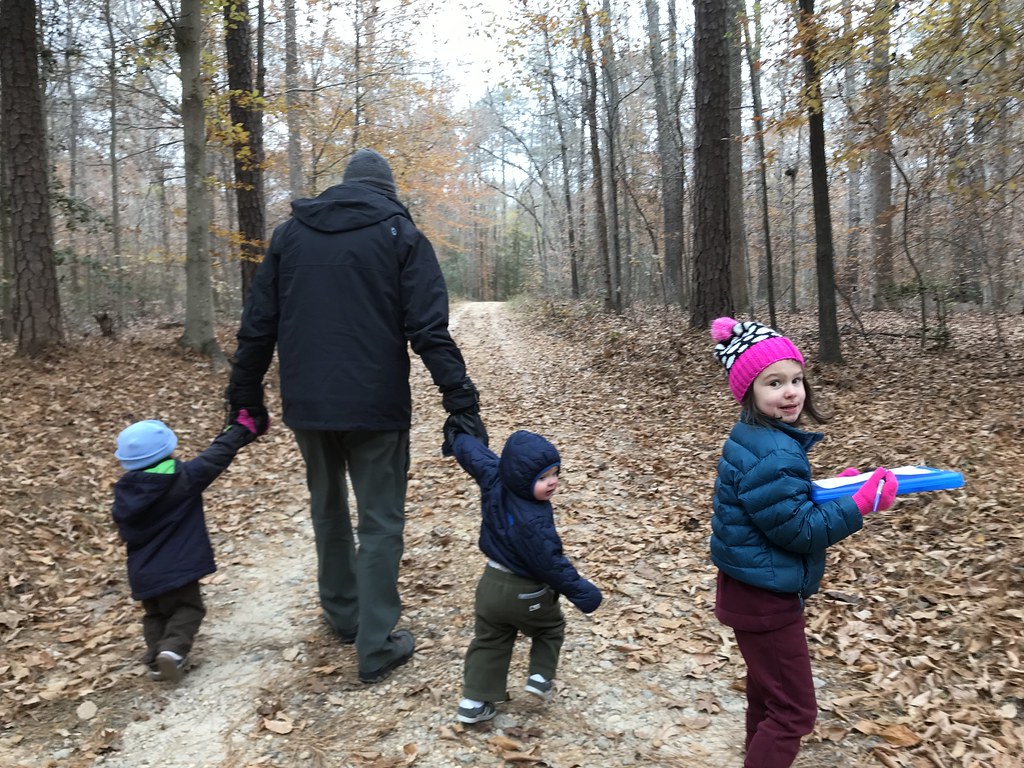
(856, 162)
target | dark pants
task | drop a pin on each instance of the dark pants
(170, 621)
(358, 579)
(505, 605)
(781, 706)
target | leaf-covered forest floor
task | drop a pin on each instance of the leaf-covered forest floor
(916, 636)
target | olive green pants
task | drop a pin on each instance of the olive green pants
(357, 574)
(507, 604)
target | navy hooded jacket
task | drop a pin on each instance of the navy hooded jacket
(346, 286)
(766, 531)
(160, 518)
(516, 530)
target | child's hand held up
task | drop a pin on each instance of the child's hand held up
(865, 497)
(246, 420)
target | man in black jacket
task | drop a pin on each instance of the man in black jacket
(347, 285)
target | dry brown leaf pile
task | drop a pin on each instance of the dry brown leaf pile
(918, 628)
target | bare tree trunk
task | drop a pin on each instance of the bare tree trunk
(563, 151)
(608, 70)
(115, 175)
(37, 314)
(590, 107)
(765, 285)
(198, 334)
(670, 158)
(879, 164)
(737, 233)
(246, 114)
(712, 294)
(828, 327)
(850, 276)
(291, 102)
(6, 251)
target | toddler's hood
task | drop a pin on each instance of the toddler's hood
(524, 458)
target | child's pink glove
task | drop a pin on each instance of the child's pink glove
(247, 421)
(849, 472)
(865, 497)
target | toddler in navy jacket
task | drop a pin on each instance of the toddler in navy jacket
(526, 569)
(158, 508)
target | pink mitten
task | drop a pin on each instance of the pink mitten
(849, 472)
(245, 420)
(865, 497)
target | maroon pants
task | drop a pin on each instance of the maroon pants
(781, 706)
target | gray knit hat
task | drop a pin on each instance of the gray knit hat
(369, 167)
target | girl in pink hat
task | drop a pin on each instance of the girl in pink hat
(768, 538)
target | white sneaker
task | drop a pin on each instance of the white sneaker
(170, 665)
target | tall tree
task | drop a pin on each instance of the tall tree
(712, 294)
(879, 163)
(614, 149)
(37, 313)
(828, 326)
(198, 334)
(737, 220)
(296, 184)
(246, 138)
(590, 107)
(669, 158)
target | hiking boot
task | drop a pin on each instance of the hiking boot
(170, 666)
(538, 686)
(404, 645)
(485, 711)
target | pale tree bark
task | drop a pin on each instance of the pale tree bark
(828, 326)
(590, 108)
(247, 116)
(563, 152)
(37, 314)
(850, 276)
(670, 159)
(112, 161)
(608, 70)
(712, 290)
(296, 184)
(879, 163)
(198, 334)
(765, 284)
(737, 234)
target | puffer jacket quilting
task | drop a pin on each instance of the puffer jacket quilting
(516, 530)
(766, 530)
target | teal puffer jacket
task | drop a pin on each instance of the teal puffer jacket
(765, 530)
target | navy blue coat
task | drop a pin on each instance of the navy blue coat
(765, 530)
(160, 518)
(347, 285)
(516, 530)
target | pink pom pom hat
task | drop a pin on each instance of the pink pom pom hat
(747, 348)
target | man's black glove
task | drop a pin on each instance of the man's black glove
(462, 398)
(468, 422)
(236, 401)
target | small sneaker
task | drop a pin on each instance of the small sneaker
(470, 714)
(405, 645)
(170, 666)
(538, 686)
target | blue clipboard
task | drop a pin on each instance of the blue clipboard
(911, 480)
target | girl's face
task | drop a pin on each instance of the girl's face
(546, 484)
(779, 391)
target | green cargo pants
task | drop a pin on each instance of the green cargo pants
(358, 575)
(507, 604)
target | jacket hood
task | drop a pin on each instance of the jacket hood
(135, 494)
(346, 207)
(524, 458)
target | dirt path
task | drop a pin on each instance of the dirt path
(644, 682)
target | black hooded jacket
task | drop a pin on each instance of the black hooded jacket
(347, 285)
(160, 518)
